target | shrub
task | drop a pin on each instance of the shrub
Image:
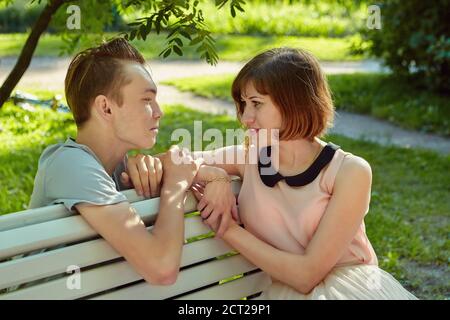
(414, 41)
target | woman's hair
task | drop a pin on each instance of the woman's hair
(296, 84)
(95, 71)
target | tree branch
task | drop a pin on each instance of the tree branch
(28, 49)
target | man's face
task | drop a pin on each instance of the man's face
(136, 121)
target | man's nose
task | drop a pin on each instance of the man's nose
(157, 112)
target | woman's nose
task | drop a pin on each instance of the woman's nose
(247, 118)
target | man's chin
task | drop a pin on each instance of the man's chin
(148, 144)
(142, 144)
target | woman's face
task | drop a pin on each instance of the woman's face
(260, 113)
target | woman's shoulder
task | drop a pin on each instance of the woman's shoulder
(354, 168)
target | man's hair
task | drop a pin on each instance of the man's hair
(296, 84)
(98, 71)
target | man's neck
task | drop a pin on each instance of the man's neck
(108, 150)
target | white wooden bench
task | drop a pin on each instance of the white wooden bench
(104, 274)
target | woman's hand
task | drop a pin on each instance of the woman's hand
(217, 203)
(144, 173)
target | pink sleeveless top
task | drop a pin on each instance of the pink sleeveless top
(287, 217)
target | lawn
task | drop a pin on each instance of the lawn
(230, 47)
(285, 17)
(378, 95)
(408, 221)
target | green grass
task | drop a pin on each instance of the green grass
(378, 95)
(408, 221)
(316, 18)
(230, 47)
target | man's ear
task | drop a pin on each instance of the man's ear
(102, 107)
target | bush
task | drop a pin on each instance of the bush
(414, 41)
(21, 15)
(18, 17)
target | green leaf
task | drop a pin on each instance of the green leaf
(166, 53)
(220, 3)
(240, 8)
(177, 50)
(133, 34)
(134, 24)
(233, 12)
(185, 34)
(179, 42)
(195, 41)
(143, 32)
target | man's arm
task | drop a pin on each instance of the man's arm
(155, 255)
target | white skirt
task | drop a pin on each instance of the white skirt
(356, 282)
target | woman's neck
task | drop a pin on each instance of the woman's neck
(295, 156)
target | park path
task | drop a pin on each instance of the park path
(49, 73)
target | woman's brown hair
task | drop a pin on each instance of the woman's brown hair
(296, 84)
(97, 71)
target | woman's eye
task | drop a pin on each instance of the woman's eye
(147, 100)
(256, 104)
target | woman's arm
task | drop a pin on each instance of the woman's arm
(335, 232)
(231, 159)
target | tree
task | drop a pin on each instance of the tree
(415, 48)
(181, 19)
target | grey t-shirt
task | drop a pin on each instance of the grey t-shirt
(70, 173)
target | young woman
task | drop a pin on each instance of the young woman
(303, 219)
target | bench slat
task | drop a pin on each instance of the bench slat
(40, 215)
(66, 230)
(233, 290)
(121, 273)
(84, 254)
(188, 279)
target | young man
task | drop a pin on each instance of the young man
(113, 100)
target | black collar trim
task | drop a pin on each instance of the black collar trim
(270, 177)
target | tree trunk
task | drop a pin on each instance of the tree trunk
(28, 49)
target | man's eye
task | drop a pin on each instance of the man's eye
(148, 100)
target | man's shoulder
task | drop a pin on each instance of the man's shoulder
(64, 158)
(70, 174)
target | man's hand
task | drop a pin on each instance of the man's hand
(179, 167)
(145, 174)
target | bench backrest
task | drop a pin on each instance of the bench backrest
(210, 268)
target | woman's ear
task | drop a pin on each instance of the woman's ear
(102, 106)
